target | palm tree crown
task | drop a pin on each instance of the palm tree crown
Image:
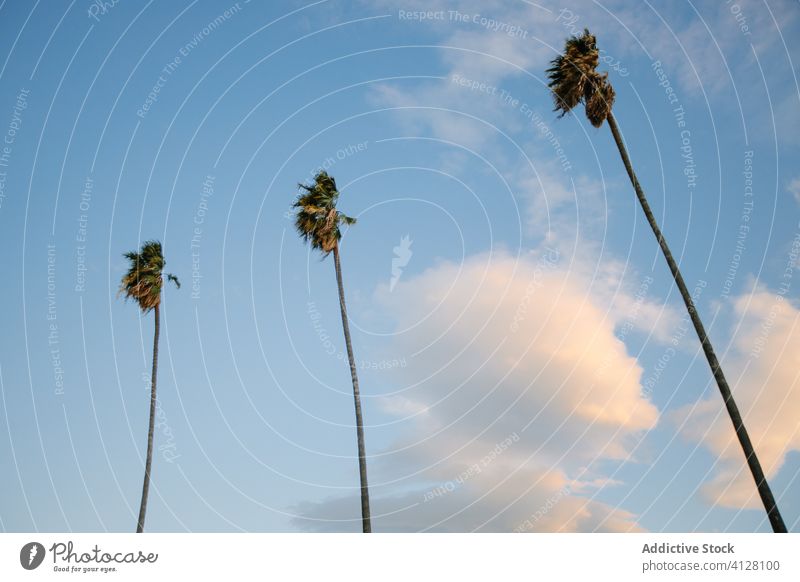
(145, 277)
(317, 219)
(574, 79)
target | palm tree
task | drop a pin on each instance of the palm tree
(573, 80)
(143, 283)
(317, 221)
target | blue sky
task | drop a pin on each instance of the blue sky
(526, 367)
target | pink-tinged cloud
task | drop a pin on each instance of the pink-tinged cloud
(764, 372)
(516, 398)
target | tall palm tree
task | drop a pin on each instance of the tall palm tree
(573, 80)
(143, 283)
(317, 221)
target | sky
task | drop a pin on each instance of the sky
(526, 363)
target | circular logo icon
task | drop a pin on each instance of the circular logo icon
(31, 555)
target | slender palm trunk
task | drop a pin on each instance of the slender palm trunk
(362, 455)
(764, 490)
(149, 461)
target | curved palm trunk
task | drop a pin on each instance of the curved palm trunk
(151, 430)
(764, 490)
(362, 455)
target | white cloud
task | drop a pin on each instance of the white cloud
(442, 109)
(509, 347)
(512, 355)
(557, 204)
(763, 372)
(528, 501)
(794, 189)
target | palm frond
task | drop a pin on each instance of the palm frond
(316, 219)
(599, 99)
(574, 79)
(348, 220)
(143, 280)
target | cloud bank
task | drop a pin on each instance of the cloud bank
(517, 399)
(763, 371)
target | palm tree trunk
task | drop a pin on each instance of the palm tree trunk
(764, 490)
(151, 429)
(362, 455)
